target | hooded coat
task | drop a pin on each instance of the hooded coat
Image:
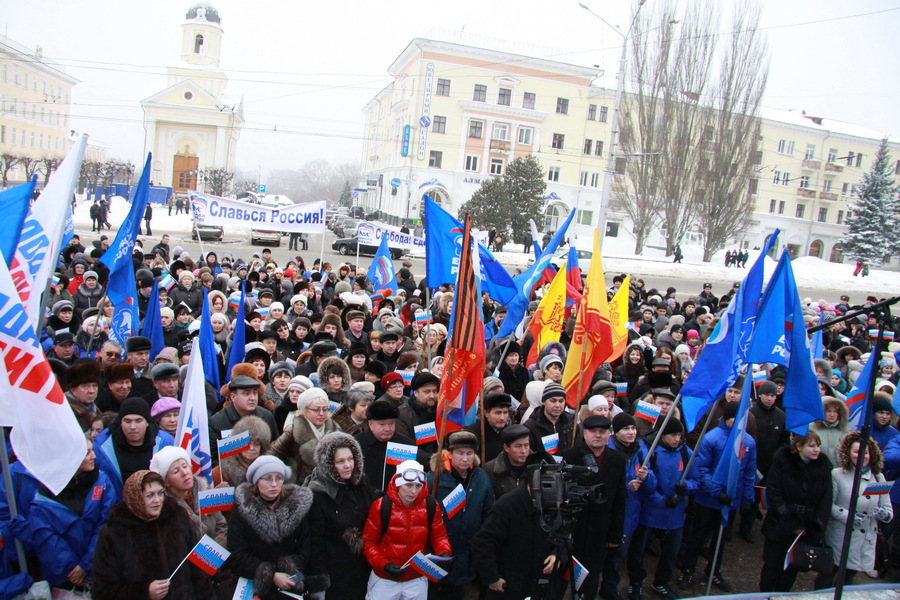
(346, 380)
(85, 298)
(831, 434)
(336, 519)
(264, 540)
(798, 496)
(297, 446)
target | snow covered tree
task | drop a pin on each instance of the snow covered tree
(873, 217)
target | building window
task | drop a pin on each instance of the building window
(785, 147)
(777, 179)
(897, 168)
(592, 112)
(480, 93)
(850, 156)
(2, 134)
(845, 189)
(583, 179)
(501, 131)
(826, 187)
(26, 80)
(853, 191)
(41, 141)
(584, 217)
(439, 125)
(443, 87)
(781, 207)
(559, 141)
(603, 113)
(476, 129)
(598, 148)
(562, 106)
(471, 163)
(620, 166)
(832, 155)
(525, 134)
(16, 74)
(529, 100)
(504, 97)
(859, 159)
(840, 218)
(436, 159)
(198, 44)
(553, 174)
(496, 166)
(595, 179)
(810, 152)
(799, 212)
(757, 157)
(32, 139)
(754, 187)
(772, 204)
(12, 139)
(587, 146)
(4, 73)
(44, 87)
(804, 182)
(823, 215)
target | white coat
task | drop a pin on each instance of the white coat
(862, 541)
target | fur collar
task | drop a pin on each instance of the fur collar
(272, 526)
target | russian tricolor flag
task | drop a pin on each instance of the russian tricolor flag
(455, 501)
(233, 445)
(426, 432)
(621, 389)
(647, 411)
(397, 453)
(167, 282)
(208, 555)
(759, 377)
(579, 572)
(420, 563)
(215, 500)
(878, 489)
(551, 443)
(423, 318)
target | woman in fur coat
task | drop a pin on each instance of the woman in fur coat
(233, 470)
(341, 500)
(140, 546)
(268, 534)
(297, 445)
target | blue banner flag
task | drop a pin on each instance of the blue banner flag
(208, 345)
(443, 240)
(152, 328)
(736, 453)
(858, 398)
(525, 282)
(14, 204)
(381, 273)
(121, 288)
(816, 341)
(725, 353)
(780, 337)
(239, 338)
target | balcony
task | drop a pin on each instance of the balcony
(833, 169)
(805, 193)
(828, 196)
(500, 146)
(811, 165)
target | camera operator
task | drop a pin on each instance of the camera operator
(598, 522)
(511, 551)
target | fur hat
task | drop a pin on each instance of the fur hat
(119, 372)
(382, 410)
(138, 343)
(82, 373)
(259, 431)
(243, 369)
(461, 439)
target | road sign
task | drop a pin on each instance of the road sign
(395, 182)
(425, 121)
(355, 195)
(262, 188)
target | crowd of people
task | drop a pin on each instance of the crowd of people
(332, 376)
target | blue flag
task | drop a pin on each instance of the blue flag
(525, 282)
(443, 237)
(816, 342)
(780, 337)
(239, 338)
(736, 453)
(381, 273)
(896, 401)
(208, 346)
(725, 353)
(858, 398)
(152, 328)
(121, 287)
(14, 204)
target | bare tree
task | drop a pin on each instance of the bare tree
(29, 165)
(731, 132)
(244, 185)
(216, 181)
(316, 180)
(8, 160)
(48, 165)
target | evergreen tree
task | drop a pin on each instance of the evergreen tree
(873, 217)
(346, 199)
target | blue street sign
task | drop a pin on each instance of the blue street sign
(425, 122)
(395, 182)
(262, 188)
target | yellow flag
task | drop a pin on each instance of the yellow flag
(592, 339)
(618, 317)
(548, 320)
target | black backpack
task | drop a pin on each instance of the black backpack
(386, 505)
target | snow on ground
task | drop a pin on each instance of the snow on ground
(618, 257)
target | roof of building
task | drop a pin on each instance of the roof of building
(209, 13)
(800, 119)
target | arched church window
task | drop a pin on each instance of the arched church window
(198, 44)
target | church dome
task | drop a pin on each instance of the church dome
(203, 11)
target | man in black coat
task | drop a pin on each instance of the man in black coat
(381, 420)
(599, 526)
(551, 424)
(496, 411)
(420, 409)
(771, 435)
(244, 393)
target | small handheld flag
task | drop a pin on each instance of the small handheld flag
(333, 406)
(215, 500)
(407, 375)
(878, 489)
(397, 453)
(579, 573)
(551, 443)
(421, 563)
(873, 333)
(423, 318)
(234, 445)
(889, 336)
(621, 389)
(207, 555)
(425, 433)
(168, 282)
(648, 412)
(789, 556)
(244, 589)
(455, 501)
(759, 377)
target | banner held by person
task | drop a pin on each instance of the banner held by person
(548, 322)
(14, 204)
(299, 218)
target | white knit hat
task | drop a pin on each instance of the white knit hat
(264, 465)
(597, 401)
(407, 465)
(163, 460)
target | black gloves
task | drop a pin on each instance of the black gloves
(680, 488)
(723, 499)
(393, 571)
(672, 501)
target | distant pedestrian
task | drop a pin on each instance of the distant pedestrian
(527, 242)
(171, 204)
(678, 254)
(97, 217)
(148, 216)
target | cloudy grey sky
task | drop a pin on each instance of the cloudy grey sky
(307, 68)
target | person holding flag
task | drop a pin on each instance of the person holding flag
(144, 540)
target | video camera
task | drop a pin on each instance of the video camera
(560, 491)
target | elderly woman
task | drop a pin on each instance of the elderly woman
(174, 465)
(393, 387)
(341, 500)
(142, 543)
(351, 416)
(311, 423)
(870, 510)
(233, 470)
(287, 410)
(268, 534)
(165, 413)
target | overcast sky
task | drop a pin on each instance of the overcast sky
(309, 68)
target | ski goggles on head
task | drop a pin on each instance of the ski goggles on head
(412, 476)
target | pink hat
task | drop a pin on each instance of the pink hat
(693, 333)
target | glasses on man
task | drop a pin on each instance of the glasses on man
(413, 476)
(272, 479)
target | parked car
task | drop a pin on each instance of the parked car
(584, 260)
(347, 228)
(265, 235)
(347, 247)
(208, 232)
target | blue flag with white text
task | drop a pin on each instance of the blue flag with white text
(780, 337)
(858, 398)
(239, 338)
(152, 327)
(736, 453)
(208, 346)
(725, 352)
(381, 273)
(14, 204)
(816, 342)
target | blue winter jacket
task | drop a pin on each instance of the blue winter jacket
(461, 529)
(634, 500)
(884, 436)
(892, 465)
(708, 453)
(109, 463)
(668, 467)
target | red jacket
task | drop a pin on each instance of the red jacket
(407, 533)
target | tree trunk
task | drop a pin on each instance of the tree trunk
(639, 241)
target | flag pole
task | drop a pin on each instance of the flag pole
(97, 321)
(662, 427)
(865, 430)
(712, 568)
(182, 561)
(11, 497)
(687, 467)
